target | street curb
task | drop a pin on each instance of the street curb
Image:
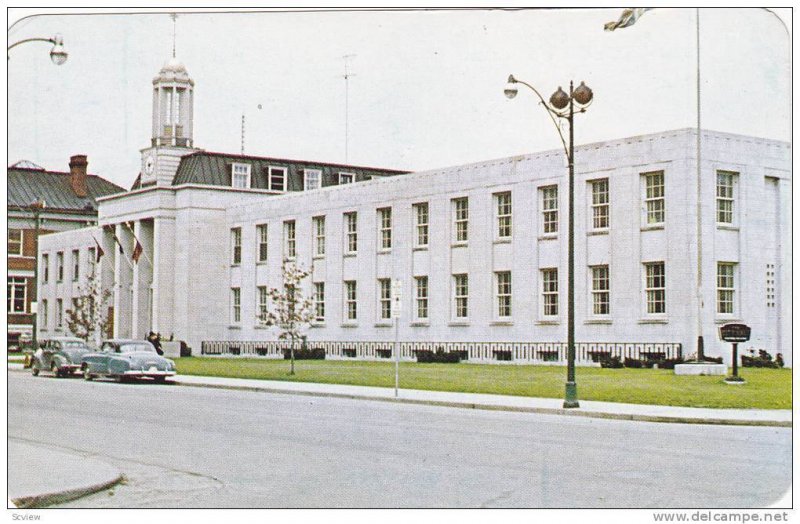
(516, 409)
(58, 497)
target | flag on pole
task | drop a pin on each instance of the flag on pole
(100, 251)
(121, 251)
(627, 18)
(137, 251)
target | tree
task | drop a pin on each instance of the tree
(292, 311)
(89, 314)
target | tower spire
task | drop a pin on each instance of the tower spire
(346, 76)
(174, 17)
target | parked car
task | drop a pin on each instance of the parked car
(123, 359)
(60, 355)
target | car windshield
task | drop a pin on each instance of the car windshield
(138, 346)
(74, 345)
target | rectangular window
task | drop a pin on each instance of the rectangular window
(43, 314)
(421, 224)
(461, 219)
(549, 201)
(421, 297)
(312, 179)
(385, 300)
(59, 313)
(503, 280)
(277, 178)
(14, 241)
(461, 295)
(600, 204)
(346, 178)
(263, 300)
(654, 197)
(319, 301)
(655, 287)
(351, 232)
(76, 264)
(262, 236)
(385, 227)
(351, 305)
(236, 305)
(550, 292)
(236, 246)
(240, 176)
(17, 293)
(725, 287)
(59, 266)
(503, 208)
(319, 236)
(45, 268)
(289, 239)
(600, 291)
(725, 191)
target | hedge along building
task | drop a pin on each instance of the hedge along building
(480, 250)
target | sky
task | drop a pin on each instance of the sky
(425, 91)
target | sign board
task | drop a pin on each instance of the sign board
(734, 333)
(397, 298)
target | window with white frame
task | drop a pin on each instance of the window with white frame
(277, 178)
(350, 300)
(240, 176)
(236, 305)
(549, 203)
(346, 178)
(460, 220)
(43, 318)
(289, 239)
(262, 302)
(59, 313)
(725, 287)
(319, 301)
(549, 292)
(14, 241)
(236, 246)
(385, 298)
(420, 212)
(385, 228)
(351, 232)
(503, 214)
(312, 179)
(262, 237)
(17, 294)
(45, 268)
(421, 298)
(319, 236)
(655, 288)
(461, 295)
(601, 304)
(600, 209)
(60, 266)
(654, 197)
(503, 296)
(76, 264)
(726, 182)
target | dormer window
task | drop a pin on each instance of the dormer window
(240, 177)
(277, 178)
(346, 178)
(312, 179)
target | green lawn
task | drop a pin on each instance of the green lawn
(765, 388)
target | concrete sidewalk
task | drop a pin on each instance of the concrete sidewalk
(41, 475)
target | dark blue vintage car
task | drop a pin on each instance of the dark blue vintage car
(60, 355)
(123, 359)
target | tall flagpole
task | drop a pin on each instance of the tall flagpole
(700, 348)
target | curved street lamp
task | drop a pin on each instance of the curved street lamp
(57, 54)
(563, 105)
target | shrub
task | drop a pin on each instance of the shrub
(633, 363)
(305, 354)
(502, 354)
(763, 360)
(669, 363)
(611, 362)
(438, 356)
(349, 352)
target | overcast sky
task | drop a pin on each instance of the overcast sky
(427, 89)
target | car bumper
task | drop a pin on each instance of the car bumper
(139, 373)
(72, 368)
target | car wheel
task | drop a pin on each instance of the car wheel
(160, 380)
(119, 379)
(86, 374)
(55, 370)
(34, 370)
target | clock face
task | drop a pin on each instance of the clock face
(149, 164)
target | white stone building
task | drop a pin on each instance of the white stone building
(480, 249)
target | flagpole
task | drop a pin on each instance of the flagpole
(700, 348)
(140, 243)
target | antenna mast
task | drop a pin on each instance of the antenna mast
(174, 17)
(243, 133)
(346, 77)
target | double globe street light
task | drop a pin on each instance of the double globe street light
(57, 54)
(564, 106)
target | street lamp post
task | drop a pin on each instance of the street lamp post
(563, 105)
(37, 207)
(57, 54)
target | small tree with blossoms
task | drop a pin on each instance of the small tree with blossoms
(88, 318)
(292, 312)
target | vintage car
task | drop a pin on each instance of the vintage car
(60, 355)
(123, 359)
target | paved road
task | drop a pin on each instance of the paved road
(190, 447)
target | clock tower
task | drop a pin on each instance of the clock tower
(172, 133)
